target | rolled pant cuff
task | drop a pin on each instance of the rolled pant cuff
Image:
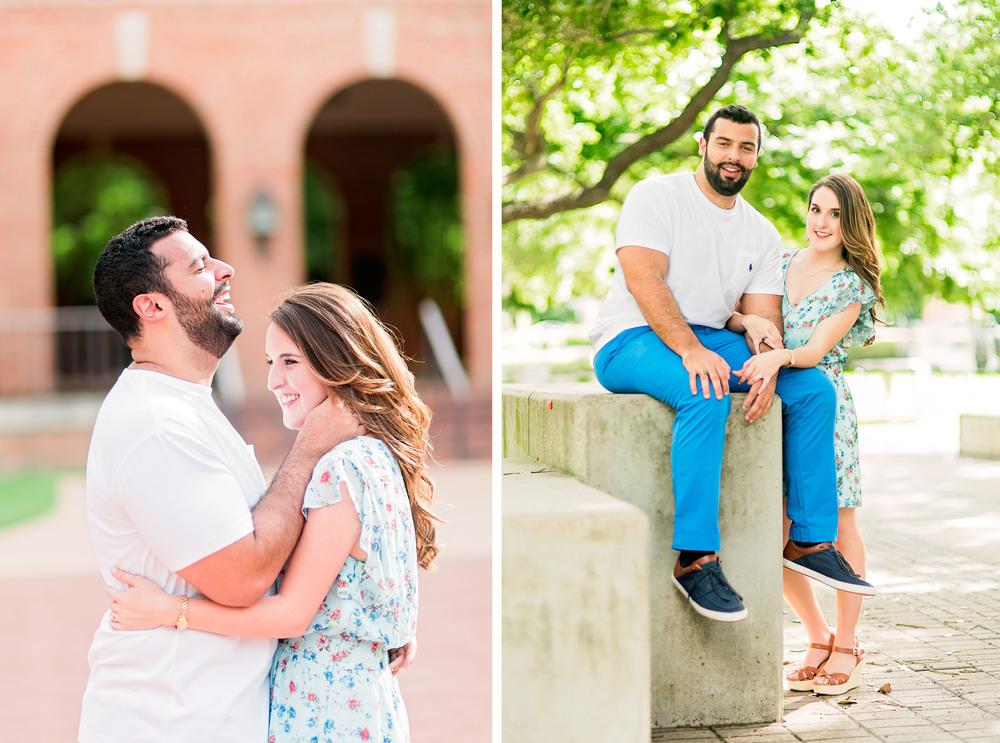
(805, 535)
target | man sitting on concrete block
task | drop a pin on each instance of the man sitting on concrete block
(688, 249)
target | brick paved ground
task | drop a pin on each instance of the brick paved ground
(52, 597)
(931, 520)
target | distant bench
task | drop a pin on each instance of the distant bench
(980, 436)
(701, 672)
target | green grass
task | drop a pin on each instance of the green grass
(26, 495)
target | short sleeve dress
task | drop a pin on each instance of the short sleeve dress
(333, 684)
(842, 289)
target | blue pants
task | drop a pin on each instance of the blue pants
(636, 360)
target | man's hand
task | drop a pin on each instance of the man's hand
(759, 399)
(711, 368)
(328, 424)
(401, 658)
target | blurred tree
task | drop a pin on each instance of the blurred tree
(590, 88)
(428, 242)
(323, 226)
(916, 123)
(94, 198)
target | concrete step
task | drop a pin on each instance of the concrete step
(703, 672)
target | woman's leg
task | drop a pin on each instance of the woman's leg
(799, 594)
(852, 546)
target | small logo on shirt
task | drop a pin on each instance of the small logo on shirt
(750, 268)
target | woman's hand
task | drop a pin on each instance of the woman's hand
(143, 605)
(762, 367)
(762, 330)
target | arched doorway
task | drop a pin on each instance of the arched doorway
(124, 151)
(383, 208)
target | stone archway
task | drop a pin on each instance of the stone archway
(120, 131)
(154, 126)
(359, 143)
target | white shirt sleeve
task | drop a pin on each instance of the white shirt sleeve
(643, 221)
(183, 498)
(768, 279)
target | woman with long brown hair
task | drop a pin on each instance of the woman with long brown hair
(367, 530)
(832, 289)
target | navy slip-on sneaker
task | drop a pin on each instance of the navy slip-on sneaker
(708, 591)
(823, 562)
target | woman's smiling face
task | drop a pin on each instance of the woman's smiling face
(823, 221)
(291, 379)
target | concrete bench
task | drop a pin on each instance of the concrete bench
(575, 618)
(980, 436)
(703, 672)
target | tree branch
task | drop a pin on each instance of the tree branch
(530, 143)
(584, 197)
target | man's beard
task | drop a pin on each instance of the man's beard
(207, 327)
(721, 185)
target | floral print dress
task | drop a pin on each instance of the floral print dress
(333, 684)
(842, 289)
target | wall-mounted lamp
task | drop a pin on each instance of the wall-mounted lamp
(263, 219)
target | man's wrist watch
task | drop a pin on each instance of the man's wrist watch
(182, 620)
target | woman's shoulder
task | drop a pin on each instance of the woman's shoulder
(359, 462)
(361, 451)
(855, 286)
(787, 254)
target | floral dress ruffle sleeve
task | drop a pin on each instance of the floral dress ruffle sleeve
(800, 320)
(333, 683)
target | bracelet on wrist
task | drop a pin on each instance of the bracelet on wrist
(182, 620)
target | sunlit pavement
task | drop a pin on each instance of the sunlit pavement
(931, 521)
(53, 598)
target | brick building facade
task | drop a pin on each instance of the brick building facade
(222, 100)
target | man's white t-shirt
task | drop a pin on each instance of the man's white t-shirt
(716, 255)
(169, 482)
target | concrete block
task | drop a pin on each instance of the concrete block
(980, 436)
(703, 672)
(575, 611)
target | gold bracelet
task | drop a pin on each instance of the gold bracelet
(791, 357)
(182, 620)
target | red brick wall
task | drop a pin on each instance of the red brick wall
(255, 74)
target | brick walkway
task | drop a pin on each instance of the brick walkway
(931, 521)
(53, 598)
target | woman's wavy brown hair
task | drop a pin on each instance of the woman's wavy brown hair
(359, 361)
(857, 230)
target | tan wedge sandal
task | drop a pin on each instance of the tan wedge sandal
(801, 679)
(831, 684)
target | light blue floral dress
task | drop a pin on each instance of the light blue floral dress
(333, 684)
(842, 289)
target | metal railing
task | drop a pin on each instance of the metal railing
(87, 355)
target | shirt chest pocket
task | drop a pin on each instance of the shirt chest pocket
(741, 271)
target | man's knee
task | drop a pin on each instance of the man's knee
(809, 387)
(710, 411)
(823, 391)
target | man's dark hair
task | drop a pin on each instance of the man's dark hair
(740, 115)
(127, 268)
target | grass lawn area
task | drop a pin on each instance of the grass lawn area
(26, 495)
